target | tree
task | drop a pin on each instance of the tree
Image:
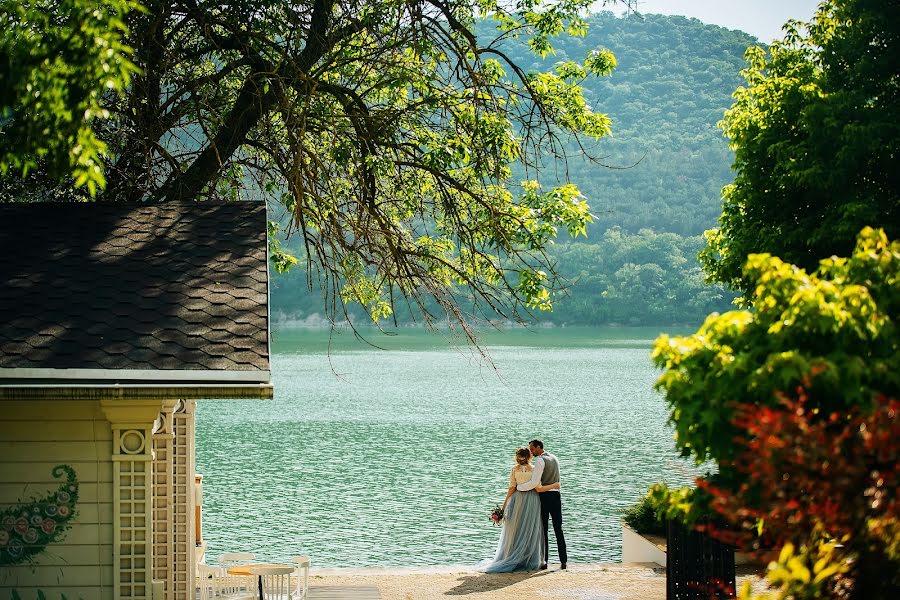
(675, 187)
(816, 135)
(780, 397)
(56, 61)
(386, 129)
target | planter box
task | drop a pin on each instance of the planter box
(637, 547)
(640, 548)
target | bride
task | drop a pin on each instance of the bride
(522, 537)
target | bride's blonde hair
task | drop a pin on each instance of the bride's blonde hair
(523, 455)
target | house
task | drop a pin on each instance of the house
(115, 320)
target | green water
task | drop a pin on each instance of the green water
(394, 456)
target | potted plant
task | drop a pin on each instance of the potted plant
(643, 533)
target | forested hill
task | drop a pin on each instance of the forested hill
(673, 82)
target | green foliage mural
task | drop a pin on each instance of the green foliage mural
(27, 529)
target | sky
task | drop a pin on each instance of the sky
(760, 18)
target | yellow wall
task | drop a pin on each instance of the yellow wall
(35, 436)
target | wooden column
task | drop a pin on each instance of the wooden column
(132, 423)
(183, 499)
(163, 503)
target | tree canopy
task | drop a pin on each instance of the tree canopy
(637, 265)
(816, 135)
(386, 128)
(795, 400)
(57, 59)
(833, 331)
(673, 82)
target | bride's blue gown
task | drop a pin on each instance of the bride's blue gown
(522, 537)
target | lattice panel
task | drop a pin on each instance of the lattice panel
(132, 506)
(163, 500)
(183, 499)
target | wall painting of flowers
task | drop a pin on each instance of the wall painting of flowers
(27, 528)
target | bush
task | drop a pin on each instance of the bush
(796, 401)
(834, 332)
(643, 518)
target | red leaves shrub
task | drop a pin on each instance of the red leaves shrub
(807, 478)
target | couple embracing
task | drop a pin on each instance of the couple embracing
(532, 497)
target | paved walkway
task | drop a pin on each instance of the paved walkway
(611, 581)
(344, 592)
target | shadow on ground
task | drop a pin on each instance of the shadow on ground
(473, 584)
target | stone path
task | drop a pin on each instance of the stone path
(612, 581)
(343, 592)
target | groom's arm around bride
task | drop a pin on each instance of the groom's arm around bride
(536, 474)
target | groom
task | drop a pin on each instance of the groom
(546, 472)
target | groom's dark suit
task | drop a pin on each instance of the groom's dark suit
(551, 504)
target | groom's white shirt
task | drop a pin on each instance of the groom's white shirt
(535, 477)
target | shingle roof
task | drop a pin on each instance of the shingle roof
(137, 287)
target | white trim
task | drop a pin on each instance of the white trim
(114, 391)
(157, 375)
(268, 278)
(137, 386)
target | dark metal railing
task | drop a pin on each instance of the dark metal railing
(697, 566)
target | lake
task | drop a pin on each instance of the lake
(394, 456)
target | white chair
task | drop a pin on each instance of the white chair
(237, 582)
(275, 582)
(236, 557)
(215, 584)
(302, 573)
(206, 581)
